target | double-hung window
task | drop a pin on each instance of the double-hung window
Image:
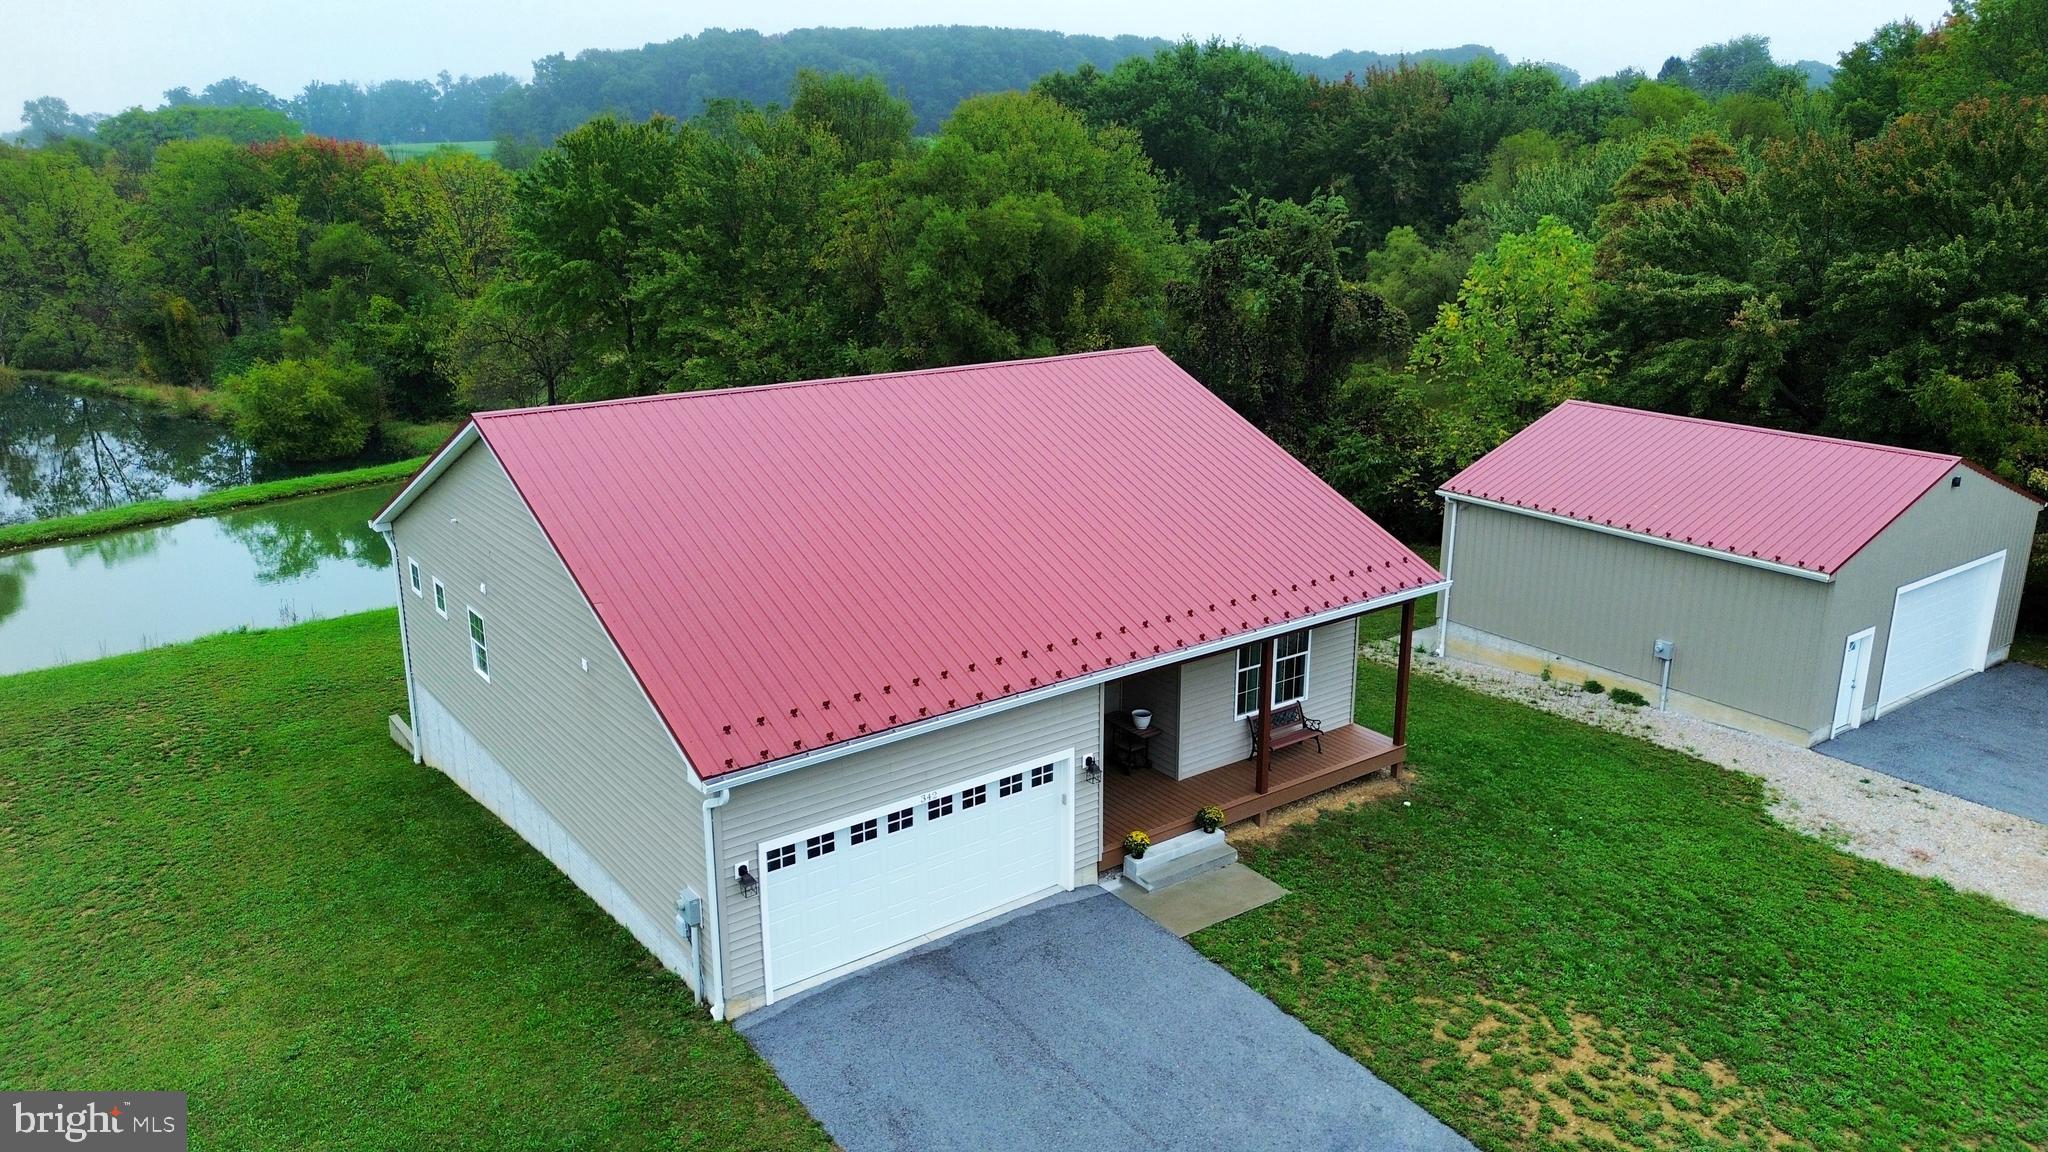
(479, 653)
(1290, 673)
(440, 598)
(412, 572)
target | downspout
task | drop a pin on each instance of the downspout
(1443, 598)
(412, 711)
(713, 989)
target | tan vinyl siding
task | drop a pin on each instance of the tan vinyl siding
(586, 745)
(1746, 637)
(809, 797)
(1211, 735)
(1948, 526)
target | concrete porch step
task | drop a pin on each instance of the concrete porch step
(1178, 859)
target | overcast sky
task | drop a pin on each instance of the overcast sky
(105, 55)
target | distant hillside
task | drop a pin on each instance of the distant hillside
(1818, 75)
(933, 67)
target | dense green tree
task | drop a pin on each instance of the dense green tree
(1888, 290)
(1416, 276)
(1217, 120)
(135, 135)
(48, 118)
(62, 263)
(1667, 173)
(190, 241)
(505, 353)
(580, 229)
(446, 214)
(1267, 318)
(1518, 340)
(1019, 231)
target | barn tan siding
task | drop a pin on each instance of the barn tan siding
(585, 745)
(1211, 735)
(1746, 637)
(809, 797)
(1948, 526)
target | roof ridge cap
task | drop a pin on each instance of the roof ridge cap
(779, 385)
(1815, 437)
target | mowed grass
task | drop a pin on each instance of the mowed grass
(483, 148)
(217, 875)
(1572, 939)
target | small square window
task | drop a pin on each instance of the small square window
(969, 797)
(412, 572)
(780, 858)
(863, 832)
(1041, 775)
(440, 598)
(819, 845)
(943, 806)
(1011, 785)
(900, 820)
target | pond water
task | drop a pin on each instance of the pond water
(64, 452)
(257, 568)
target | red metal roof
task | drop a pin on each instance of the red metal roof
(1806, 502)
(794, 566)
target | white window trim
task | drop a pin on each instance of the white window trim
(475, 644)
(1307, 667)
(440, 598)
(412, 575)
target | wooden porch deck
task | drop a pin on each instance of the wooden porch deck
(1165, 807)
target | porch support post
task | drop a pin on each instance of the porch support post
(1401, 677)
(1263, 762)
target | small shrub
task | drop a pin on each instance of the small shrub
(1545, 674)
(1595, 687)
(1209, 818)
(1135, 843)
(310, 409)
(1628, 696)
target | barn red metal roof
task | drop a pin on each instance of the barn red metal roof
(1805, 502)
(794, 566)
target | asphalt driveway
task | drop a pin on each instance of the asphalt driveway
(1074, 1025)
(1984, 739)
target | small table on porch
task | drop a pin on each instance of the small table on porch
(1129, 745)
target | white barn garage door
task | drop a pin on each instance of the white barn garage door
(840, 893)
(1941, 629)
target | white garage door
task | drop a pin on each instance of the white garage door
(836, 894)
(1941, 629)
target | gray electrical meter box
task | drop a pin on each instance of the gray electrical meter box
(1664, 648)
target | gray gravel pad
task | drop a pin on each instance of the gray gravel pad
(1984, 739)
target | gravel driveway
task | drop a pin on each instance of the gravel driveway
(1074, 1024)
(1879, 817)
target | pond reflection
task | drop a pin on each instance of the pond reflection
(256, 568)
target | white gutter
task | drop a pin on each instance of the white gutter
(468, 435)
(1443, 602)
(1113, 672)
(404, 645)
(1626, 534)
(714, 983)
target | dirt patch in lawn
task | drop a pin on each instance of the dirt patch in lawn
(1574, 1081)
(1279, 820)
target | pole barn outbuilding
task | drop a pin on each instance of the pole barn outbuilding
(1786, 584)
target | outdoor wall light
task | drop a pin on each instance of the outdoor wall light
(1093, 769)
(750, 884)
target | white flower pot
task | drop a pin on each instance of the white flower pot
(1141, 719)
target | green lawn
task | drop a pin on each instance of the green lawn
(483, 148)
(1572, 939)
(217, 875)
(37, 533)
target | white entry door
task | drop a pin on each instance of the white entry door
(846, 891)
(1855, 674)
(1941, 629)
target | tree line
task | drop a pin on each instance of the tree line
(1389, 272)
(933, 68)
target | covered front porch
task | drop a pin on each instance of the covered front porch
(1163, 807)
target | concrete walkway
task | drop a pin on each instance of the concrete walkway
(1077, 1024)
(1984, 739)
